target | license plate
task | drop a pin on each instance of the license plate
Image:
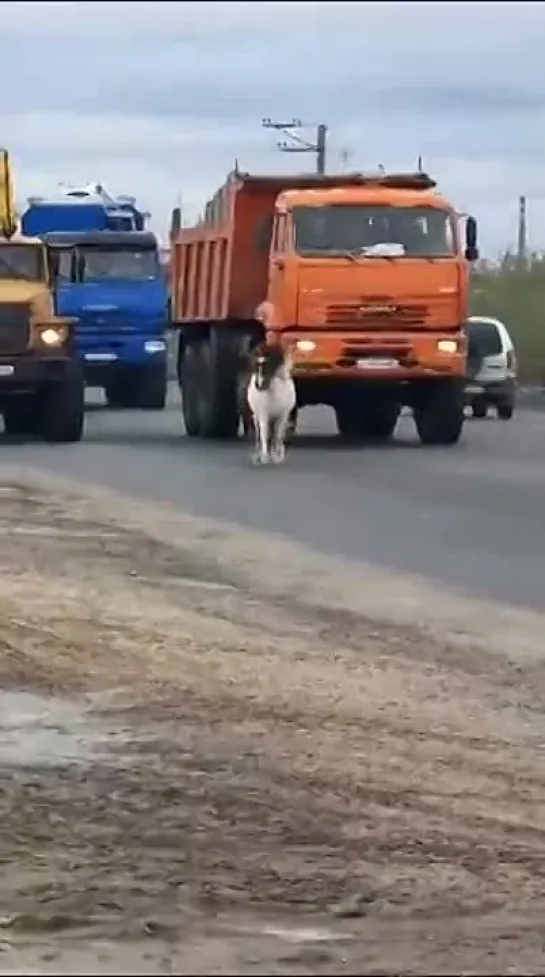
(474, 389)
(6, 371)
(376, 363)
(100, 357)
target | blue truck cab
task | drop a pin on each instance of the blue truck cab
(88, 208)
(113, 283)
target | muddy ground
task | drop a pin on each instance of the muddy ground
(218, 760)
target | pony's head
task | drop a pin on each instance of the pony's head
(267, 360)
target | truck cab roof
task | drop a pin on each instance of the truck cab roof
(144, 240)
(21, 239)
(364, 193)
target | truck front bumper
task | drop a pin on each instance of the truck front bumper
(102, 359)
(379, 356)
(26, 373)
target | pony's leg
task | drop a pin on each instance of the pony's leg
(264, 439)
(247, 424)
(261, 447)
(292, 425)
(255, 450)
(278, 450)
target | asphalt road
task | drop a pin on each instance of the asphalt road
(472, 516)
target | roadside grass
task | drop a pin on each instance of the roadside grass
(518, 299)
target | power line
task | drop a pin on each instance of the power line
(297, 143)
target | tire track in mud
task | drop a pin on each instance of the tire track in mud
(266, 752)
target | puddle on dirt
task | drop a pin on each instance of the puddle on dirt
(305, 934)
(40, 731)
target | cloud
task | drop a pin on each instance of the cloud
(158, 99)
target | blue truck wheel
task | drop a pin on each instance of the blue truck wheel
(118, 391)
(142, 388)
(151, 387)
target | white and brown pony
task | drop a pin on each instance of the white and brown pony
(271, 402)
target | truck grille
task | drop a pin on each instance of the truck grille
(14, 327)
(379, 312)
(107, 322)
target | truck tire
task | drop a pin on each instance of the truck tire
(118, 393)
(439, 413)
(63, 408)
(215, 385)
(479, 408)
(21, 416)
(188, 378)
(362, 419)
(350, 420)
(151, 387)
(380, 420)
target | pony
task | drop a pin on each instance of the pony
(272, 400)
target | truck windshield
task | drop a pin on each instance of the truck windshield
(24, 261)
(374, 231)
(121, 222)
(136, 265)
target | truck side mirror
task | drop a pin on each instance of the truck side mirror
(471, 250)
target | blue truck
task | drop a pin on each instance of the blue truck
(105, 268)
(88, 208)
(113, 283)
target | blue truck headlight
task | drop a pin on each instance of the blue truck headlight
(154, 346)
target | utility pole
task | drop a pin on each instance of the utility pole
(522, 236)
(298, 144)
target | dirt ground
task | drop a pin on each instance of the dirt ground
(218, 760)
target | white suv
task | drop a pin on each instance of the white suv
(492, 367)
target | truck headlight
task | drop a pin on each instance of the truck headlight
(51, 336)
(154, 346)
(305, 345)
(447, 346)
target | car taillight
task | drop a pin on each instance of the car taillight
(512, 361)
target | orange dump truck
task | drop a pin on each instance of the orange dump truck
(364, 278)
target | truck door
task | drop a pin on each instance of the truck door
(277, 266)
(62, 273)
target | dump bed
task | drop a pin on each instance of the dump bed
(220, 267)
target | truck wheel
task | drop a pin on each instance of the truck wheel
(62, 409)
(380, 420)
(505, 411)
(350, 420)
(439, 413)
(361, 419)
(479, 408)
(151, 389)
(118, 393)
(189, 383)
(218, 363)
(21, 416)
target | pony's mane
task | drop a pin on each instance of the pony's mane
(272, 352)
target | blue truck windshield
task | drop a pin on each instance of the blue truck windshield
(103, 263)
(364, 230)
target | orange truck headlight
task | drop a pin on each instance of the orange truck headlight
(447, 345)
(305, 345)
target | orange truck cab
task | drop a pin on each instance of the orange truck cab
(365, 279)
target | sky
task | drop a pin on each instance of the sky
(157, 99)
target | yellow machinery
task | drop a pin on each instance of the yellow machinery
(41, 384)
